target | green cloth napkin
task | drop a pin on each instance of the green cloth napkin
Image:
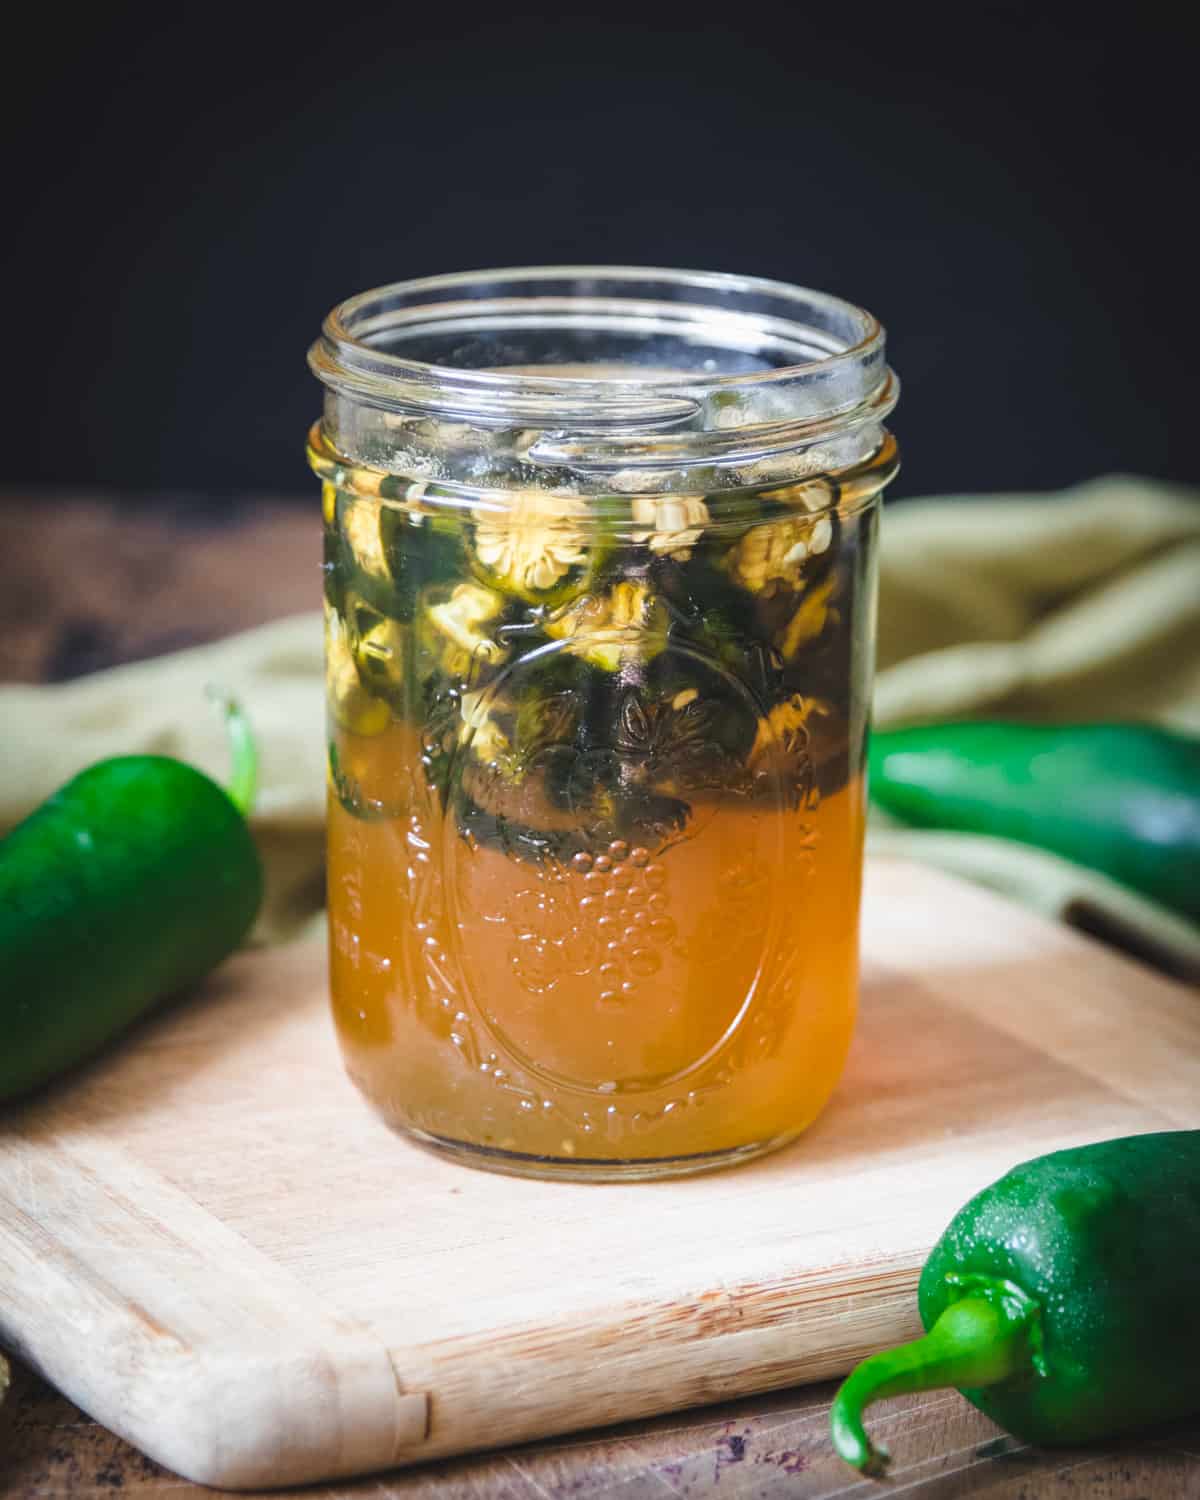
(1084, 604)
(1053, 608)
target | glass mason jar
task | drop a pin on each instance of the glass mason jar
(599, 597)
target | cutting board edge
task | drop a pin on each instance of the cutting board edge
(189, 1432)
(643, 1357)
(182, 1404)
(221, 1409)
(470, 1392)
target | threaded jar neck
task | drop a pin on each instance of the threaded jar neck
(603, 380)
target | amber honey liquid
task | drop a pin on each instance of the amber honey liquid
(596, 816)
(631, 1005)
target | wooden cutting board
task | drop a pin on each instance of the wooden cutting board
(210, 1244)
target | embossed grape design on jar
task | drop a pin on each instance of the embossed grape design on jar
(599, 597)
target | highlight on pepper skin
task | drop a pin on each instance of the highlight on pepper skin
(1061, 1301)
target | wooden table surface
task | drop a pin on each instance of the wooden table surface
(89, 582)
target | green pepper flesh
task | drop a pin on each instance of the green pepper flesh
(1062, 1300)
(1123, 799)
(131, 882)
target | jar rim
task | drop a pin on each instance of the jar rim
(665, 370)
(389, 306)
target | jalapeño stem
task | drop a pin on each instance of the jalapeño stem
(243, 750)
(986, 1337)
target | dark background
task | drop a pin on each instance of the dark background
(1006, 187)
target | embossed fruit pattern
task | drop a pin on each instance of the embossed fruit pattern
(595, 815)
(614, 930)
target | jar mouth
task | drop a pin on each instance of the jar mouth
(614, 367)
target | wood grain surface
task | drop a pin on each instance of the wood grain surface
(204, 573)
(276, 1288)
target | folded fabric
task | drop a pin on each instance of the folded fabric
(1077, 606)
(1054, 886)
(1082, 605)
(161, 707)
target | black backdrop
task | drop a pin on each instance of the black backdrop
(1006, 186)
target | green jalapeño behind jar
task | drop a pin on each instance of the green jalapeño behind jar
(599, 600)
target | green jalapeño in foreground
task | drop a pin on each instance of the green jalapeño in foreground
(599, 581)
